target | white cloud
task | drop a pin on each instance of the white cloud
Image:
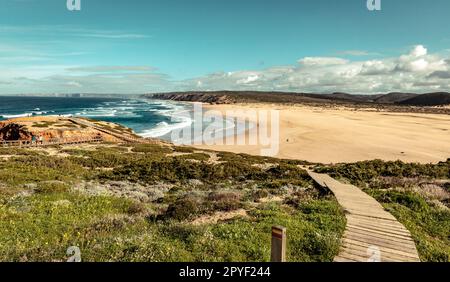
(322, 61)
(249, 79)
(415, 71)
(419, 65)
(376, 67)
(419, 51)
(96, 69)
(357, 53)
(74, 83)
(69, 30)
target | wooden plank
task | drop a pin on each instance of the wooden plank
(374, 228)
(374, 217)
(385, 224)
(379, 237)
(380, 234)
(386, 243)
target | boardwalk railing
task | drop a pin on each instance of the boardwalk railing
(50, 142)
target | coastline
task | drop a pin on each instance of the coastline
(335, 135)
(322, 134)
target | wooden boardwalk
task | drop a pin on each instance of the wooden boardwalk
(372, 234)
(52, 142)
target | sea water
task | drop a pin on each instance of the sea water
(148, 118)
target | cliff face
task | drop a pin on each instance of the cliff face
(48, 128)
(195, 97)
(14, 131)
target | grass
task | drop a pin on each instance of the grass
(42, 213)
(42, 227)
(43, 210)
(19, 152)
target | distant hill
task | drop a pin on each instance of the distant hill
(395, 97)
(352, 97)
(230, 97)
(430, 99)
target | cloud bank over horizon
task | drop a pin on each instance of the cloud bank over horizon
(415, 71)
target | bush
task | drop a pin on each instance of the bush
(196, 156)
(180, 149)
(136, 208)
(446, 186)
(224, 201)
(51, 187)
(106, 158)
(184, 208)
(258, 194)
(408, 199)
(363, 172)
(151, 149)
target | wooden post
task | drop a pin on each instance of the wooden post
(278, 244)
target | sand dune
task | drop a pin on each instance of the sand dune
(332, 135)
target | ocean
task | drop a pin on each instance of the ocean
(148, 118)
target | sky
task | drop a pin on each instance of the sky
(145, 46)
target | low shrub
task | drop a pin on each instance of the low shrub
(184, 208)
(151, 149)
(202, 157)
(52, 187)
(364, 172)
(224, 201)
(258, 194)
(181, 149)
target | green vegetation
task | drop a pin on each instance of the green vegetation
(365, 172)
(145, 203)
(416, 194)
(19, 152)
(151, 149)
(161, 203)
(44, 124)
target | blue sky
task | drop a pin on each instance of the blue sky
(140, 46)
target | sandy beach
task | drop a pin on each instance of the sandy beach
(333, 135)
